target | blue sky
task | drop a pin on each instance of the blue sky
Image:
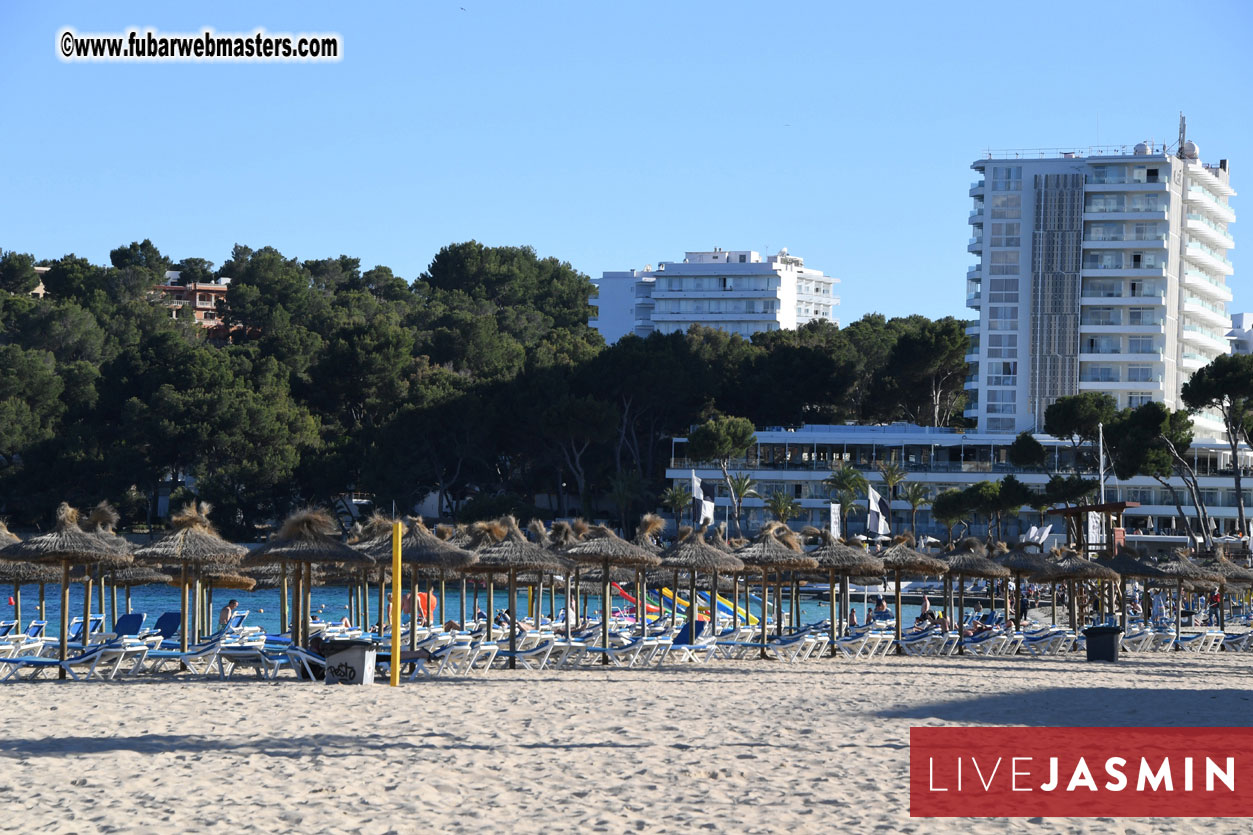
(608, 135)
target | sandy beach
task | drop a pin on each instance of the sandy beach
(733, 747)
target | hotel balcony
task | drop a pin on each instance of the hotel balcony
(1206, 315)
(1198, 173)
(1153, 300)
(1200, 198)
(1200, 226)
(1094, 271)
(1192, 362)
(1204, 256)
(1206, 285)
(975, 245)
(1203, 340)
(974, 301)
(976, 189)
(1123, 184)
(974, 273)
(1127, 214)
(976, 217)
(1146, 242)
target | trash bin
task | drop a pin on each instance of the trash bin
(1186, 616)
(1102, 642)
(349, 661)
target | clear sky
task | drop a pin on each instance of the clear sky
(608, 135)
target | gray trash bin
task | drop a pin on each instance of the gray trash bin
(1103, 642)
(349, 661)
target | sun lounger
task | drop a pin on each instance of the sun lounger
(536, 657)
(197, 659)
(102, 661)
(266, 663)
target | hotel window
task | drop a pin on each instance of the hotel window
(1003, 262)
(1000, 424)
(1002, 318)
(1141, 316)
(1006, 206)
(1140, 345)
(1006, 234)
(1003, 290)
(1002, 402)
(1139, 373)
(1002, 345)
(1002, 373)
(1007, 178)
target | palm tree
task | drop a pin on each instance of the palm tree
(625, 489)
(893, 476)
(917, 494)
(783, 506)
(741, 485)
(676, 500)
(844, 485)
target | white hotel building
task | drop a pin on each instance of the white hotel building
(1099, 273)
(735, 291)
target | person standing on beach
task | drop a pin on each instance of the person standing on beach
(224, 617)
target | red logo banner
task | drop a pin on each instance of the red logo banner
(1081, 772)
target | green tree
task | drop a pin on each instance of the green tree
(917, 494)
(625, 490)
(924, 376)
(677, 499)
(1077, 416)
(782, 506)
(1013, 495)
(720, 439)
(1026, 452)
(1226, 386)
(17, 272)
(742, 486)
(950, 508)
(984, 497)
(845, 484)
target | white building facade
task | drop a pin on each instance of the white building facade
(737, 291)
(1100, 273)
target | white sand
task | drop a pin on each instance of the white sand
(734, 747)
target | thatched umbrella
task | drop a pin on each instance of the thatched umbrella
(101, 521)
(514, 553)
(67, 544)
(1233, 575)
(969, 559)
(1069, 566)
(1126, 565)
(191, 541)
(422, 551)
(306, 537)
(694, 554)
(1025, 559)
(1182, 569)
(603, 547)
(900, 559)
(837, 558)
(768, 554)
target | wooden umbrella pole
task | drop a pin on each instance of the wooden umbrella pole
(899, 618)
(112, 599)
(1053, 608)
(552, 597)
(100, 595)
(382, 608)
(442, 593)
(778, 604)
(182, 595)
(43, 606)
(65, 614)
(128, 599)
(570, 612)
(765, 637)
(961, 615)
(604, 614)
(462, 602)
(86, 606)
(513, 618)
(365, 599)
(413, 607)
(17, 603)
(306, 605)
(693, 611)
(735, 601)
(491, 606)
(1178, 611)
(836, 632)
(282, 597)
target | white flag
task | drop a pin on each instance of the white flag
(835, 520)
(706, 512)
(695, 486)
(878, 511)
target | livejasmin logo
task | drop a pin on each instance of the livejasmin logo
(1081, 772)
(1020, 775)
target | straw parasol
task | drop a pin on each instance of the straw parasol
(1233, 575)
(1069, 566)
(768, 554)
(601, 546)
(306, 537)
(67, 544)
(18, 573)
(138, 575)
(422, 551)
(512, 553)
(969, 559)
(902, 558)
(648, 533)
(693, 554)
(1025, 559)
(191, 542)
(1126, 564)
(845, 560)
(1182, 570)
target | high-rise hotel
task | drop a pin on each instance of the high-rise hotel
(1105, 272)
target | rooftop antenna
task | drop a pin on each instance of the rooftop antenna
(1183, 131)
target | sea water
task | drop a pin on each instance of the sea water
(330, 603)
